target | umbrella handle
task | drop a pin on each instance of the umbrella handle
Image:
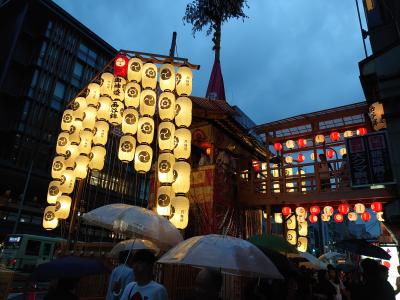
(129, 253)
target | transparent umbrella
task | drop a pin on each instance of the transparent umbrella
(134, 244)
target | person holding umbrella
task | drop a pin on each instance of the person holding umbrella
(120, 277)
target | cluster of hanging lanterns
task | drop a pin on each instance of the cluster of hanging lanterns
(296, 228)
(127, 99)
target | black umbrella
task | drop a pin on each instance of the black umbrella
(362, 247)
(284, 265)
(68, 267)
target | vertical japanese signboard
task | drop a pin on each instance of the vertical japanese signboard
(369, 160)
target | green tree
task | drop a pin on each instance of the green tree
(212, 14)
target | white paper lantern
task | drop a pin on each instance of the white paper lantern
(183, 112)
(183, 143)
(166, 136)
(149, 76)
(164, 197)
(352, 216)
(166, 162)
(278, 218)
(143, 158)
(379, 216)
(78, 107)
(70, 155)
(127, 146)
(67, 119)
(147, 105)
(184, 81)
(81, 166)
(49, 221)
(166, 106)
(116, 113)
(303, 228)
(181, 177)
(58, 167)
(348, 133)
(62, 143)
(167, 77)
(312, 156)
(132, 94)
(320, 138)
(180, 212)
(302, 244)
(290, 144)
(106, 84)
(130, 121)
(301, 211)
(291, 237)
(359, 208)
(67, 181)
(63, 207)
(74, 131)
(342, 151)
(101, 129)
(89, 117)
(104, 108)
(118, 88)
(135, 66)
(97, 158)
(145, 131)
(53, 191)
(301, 218)
(289, 159)
(291, 222)
(85, 145)
(92, 94)
(325, 218)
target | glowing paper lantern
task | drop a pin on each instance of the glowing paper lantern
(312, 156)
(278, 218)
(300, 157)
(335, 136)
(118, 92)
(181, 177)
(53, 191)
(180, 212)
(49, 221)
(342, 151)
(348, 133)
(184, 81)
(167, 77)
(67, 181)
(302, 142)
(290, 144)
(121, 65)
(81, 166)
(325, 218)
(145, 131)
(63, 206)
(67, 119)
(330, 153)
(166, 162)
(183, 143)
(85, 146)
(149, 76)
(286, 211)
(328, 210)
(303, 228)
(58, 167)
(313, 218)
(315, 210)
(147, 106)
(343, 208)
(116, 113)
(301, 218)
(352, 216)
(135, 66)
(70, 155)
(278, 146)
(143, 158)
(166, 106)
(302, 244)
(166, 136)
(362, 131)
(376, 206)
(379, 216)
(289, 159)
(78, 107)
(320, 138)
(127, 146)
(183, 112)
(104, 108)
(338, 218)
(291, 237)
(89, 117)
(377, 115)
(130, 121)
(300, 211)
(97, 158)
(359, 208)
(132, 94)
(106, 84)
(74, 132)
(291, 222)
(62, 143)
(100, 133)
(92, 94)
(366, 216)
(164, 197)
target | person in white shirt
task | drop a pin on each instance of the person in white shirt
(120, 277)
(144, 288)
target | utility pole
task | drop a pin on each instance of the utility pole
(173, 45)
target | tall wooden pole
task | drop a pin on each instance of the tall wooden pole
(173, 45)
(74, 212)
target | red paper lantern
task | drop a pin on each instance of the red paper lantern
(362, 131)
(313, 218)
(376, 206)
(121, 65)
(300, 157)
(286, 210)
(366, 216)
(278, 146)
(338, 218)
(302, 142)
(330, 153)
(335, 136)
(315, 210)
(256, 166)
(344, 209)
(386, 264)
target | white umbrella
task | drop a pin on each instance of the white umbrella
(309, 260)
(331, 257)
(135, 221)
(228, 254)
(134, 244)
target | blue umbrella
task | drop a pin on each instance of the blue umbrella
(68, 267)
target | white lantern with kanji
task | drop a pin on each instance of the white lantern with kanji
(89, 117)
(180, 212)
(184, 81)
(97, 158)
(104, 108)
(183, 142)
(166, 106)
(85, 146)
(183, 112)
(118, 88)
(127, 146)
(145, 131)
(106, 84)
(167, 77)
(101, 129)
(67, 181)
(116, 112)
(143, 158)
(181, 177)
(147, 106)
(92, 94)
(166, 136)
(130, 121)
(132, 94)
(81, 166)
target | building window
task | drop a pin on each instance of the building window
(49, 28)
(77, 74)
(87, 55)
(42, 53)
(58, 96)
(33, 83)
